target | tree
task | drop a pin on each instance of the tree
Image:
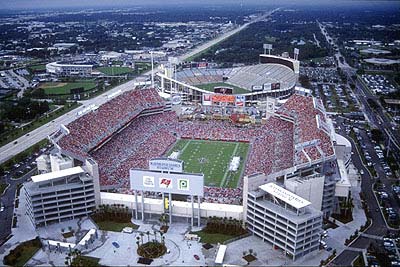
(376, 135)
(155, 235)
(141, 237)
(148, 236)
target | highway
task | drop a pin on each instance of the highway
(20, 144)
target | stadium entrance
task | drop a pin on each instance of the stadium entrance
(166, 177)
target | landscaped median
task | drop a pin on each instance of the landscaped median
(3, 188)
(220, 230)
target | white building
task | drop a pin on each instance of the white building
(69, 69)
(284, 220)
(309, 187)
(63, 195)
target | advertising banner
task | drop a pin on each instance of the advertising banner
(223, 98)
(207, 100)
(175, 183)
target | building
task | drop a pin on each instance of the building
(309, 188)
(61, 69)
(63, 195)
(284, 220)
(53, 162)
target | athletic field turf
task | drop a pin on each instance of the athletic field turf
(210, 87)
(60, 88)
(212, 158)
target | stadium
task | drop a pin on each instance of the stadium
(138, 125)
(274, 76)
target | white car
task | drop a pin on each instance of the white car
(127, 230)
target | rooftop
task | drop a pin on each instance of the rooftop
(57, 174)
(285, 195)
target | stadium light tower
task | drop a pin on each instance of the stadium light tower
(267, 47)
(174, 61)
(296, 54)
(152, 69)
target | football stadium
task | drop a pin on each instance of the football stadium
(268, 156)
(274, 76)
(138, 125)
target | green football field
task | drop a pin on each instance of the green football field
(210, 87)
(212, 158)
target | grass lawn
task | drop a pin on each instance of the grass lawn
(210, 87)
(26, 255)
(3, 187)
(115, 70)
(85, 261)
(60, 88)
(212, 158)
(38, 67)
(114, 226)
(212, 238)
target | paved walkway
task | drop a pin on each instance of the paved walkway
(336, 237)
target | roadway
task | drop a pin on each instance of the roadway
(378, 226)
(20, 144)
(378, 119)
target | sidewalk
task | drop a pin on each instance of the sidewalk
(24, 230)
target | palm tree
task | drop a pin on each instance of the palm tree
(162, 237)
(141, 237)
(127, 212)
(155, 235)
(148, 236)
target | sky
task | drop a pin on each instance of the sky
(48, 4)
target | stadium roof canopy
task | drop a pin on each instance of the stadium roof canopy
(57, 174)
(285, 195)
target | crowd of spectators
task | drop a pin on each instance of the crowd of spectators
(305, 111)
(89, 130)
(148, 136)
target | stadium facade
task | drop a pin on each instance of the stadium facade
(62, 69)
(274, 76)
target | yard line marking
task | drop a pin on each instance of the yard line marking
(185, 146)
